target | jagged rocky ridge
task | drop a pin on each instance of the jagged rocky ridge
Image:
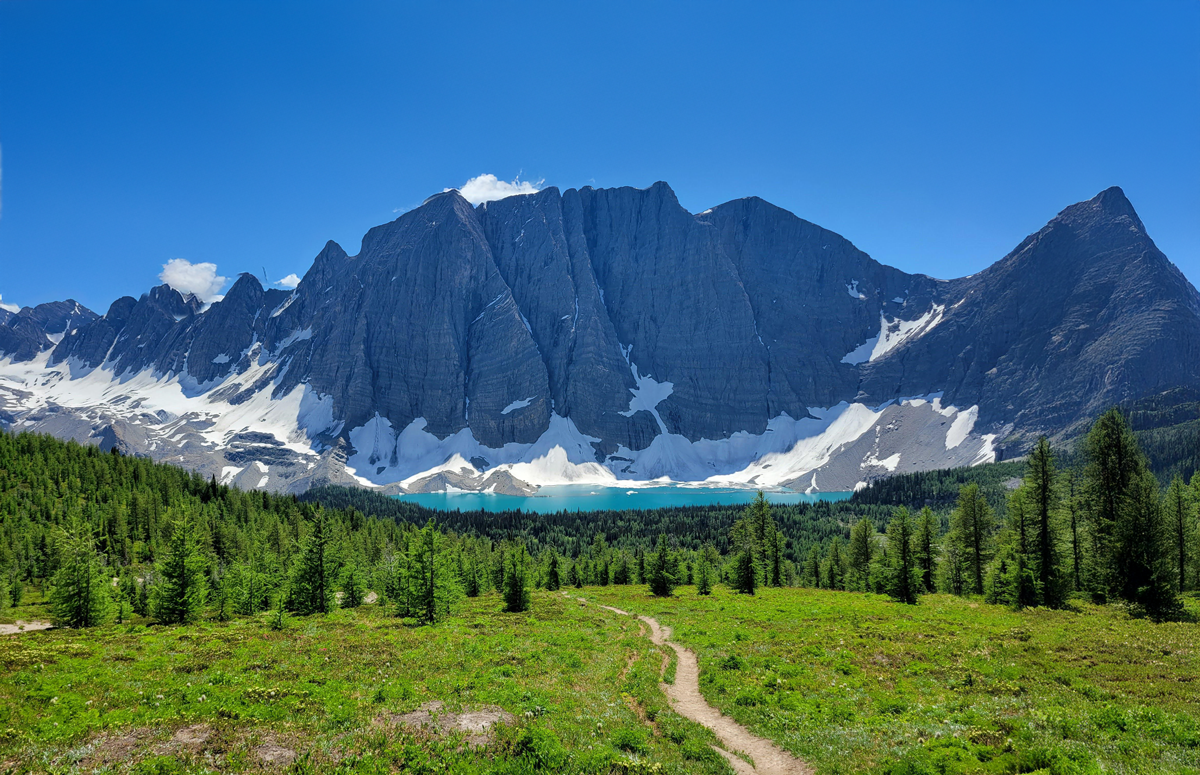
(604, 334)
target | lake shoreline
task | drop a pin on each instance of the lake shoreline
(591, 497)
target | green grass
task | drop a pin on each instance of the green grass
(581, 682)
(848, 682)
(857, 683)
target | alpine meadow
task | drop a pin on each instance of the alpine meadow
(575, 389)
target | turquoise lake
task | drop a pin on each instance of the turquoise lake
(583, 497)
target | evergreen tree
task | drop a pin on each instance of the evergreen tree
(777, 568)
(1180, 519)
(745, 570)
(836, 574)
(858, 578)
(471, 576)
(552, 580)
(79, 591)
(1075, 527)
(1114, 461)
(705, 570)
(1143, 556)
(973, 522)
(573, 577)
(1012, 579)
(658, 569)
(812, 567)
(353, 590)
(182, 590)
(747, 565)
(905, 575)
(312, 588)
(1042, 499)
(926, 548)
(516, 585)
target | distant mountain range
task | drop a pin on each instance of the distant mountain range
(608, 336)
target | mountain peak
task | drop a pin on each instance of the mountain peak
(1108, 207)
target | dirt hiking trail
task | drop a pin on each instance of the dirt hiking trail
(686, 700)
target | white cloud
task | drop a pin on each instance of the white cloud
(489, 188)
(13, 308)
(291, 281)
(200, 280)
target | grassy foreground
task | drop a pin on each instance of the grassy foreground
(857, 683)
(325, 694)
(849, 682)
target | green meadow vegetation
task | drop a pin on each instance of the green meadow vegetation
(1043, 619)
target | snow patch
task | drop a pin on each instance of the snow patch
(515, 405)
(648, 394)
(852, 289)
(962, 426)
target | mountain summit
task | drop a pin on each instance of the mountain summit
(599, 335)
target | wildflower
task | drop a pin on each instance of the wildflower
(54, 701)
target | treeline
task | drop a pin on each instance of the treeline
(939, 489)
(111, 537)
(1105, 530)
(690, 528)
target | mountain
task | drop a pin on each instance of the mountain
(608, 335)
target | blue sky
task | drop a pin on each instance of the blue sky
(933, 136)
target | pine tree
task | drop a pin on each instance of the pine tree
(1143, 557)
(353, 591)
(705, 570)
(1042, 498)
(1114, 461)
(312, 588)
(781, 567)
(516, 586)
(837, 564)
(761, 528)
(812, 567)
(745, 570)
(974, 523)
(1013, 577)
(1180, 521)
(1075, 527)
(79, 591)
(926, 548)
(552, 580)
(658, 569)
(858, 579)
(180, 595)
(471, 573)
(905, 578)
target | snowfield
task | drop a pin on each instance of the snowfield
(291, 441)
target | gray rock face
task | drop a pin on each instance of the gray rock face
(33, 330)
(493, 319)
(1082, 315)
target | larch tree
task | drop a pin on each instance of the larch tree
(1180, 519)
(312, 584)
(658, 569)
(1114, 461)
(182, 591)
(1042, 499)
(1144, 567)
(79, 590)
(905, 577)
(926, 547)
(516, 580)
(974, 523)
(861, 552)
